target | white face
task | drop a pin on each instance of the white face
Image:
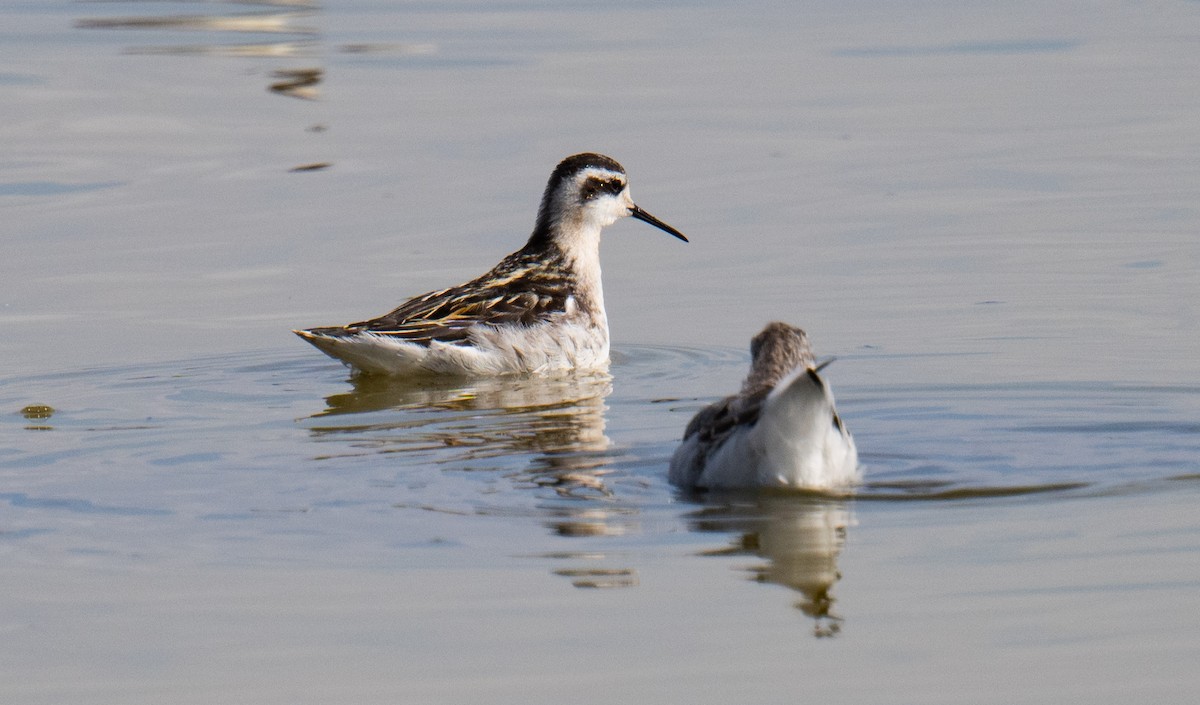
(601, 195)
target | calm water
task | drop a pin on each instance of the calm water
(987, 215)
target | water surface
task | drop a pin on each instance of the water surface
(987, 217)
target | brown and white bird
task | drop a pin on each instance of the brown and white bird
(541, 309)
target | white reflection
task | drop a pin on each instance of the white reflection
(557, 419)
(275, 50)
(285, 18)
(267, 23)
(800, 539)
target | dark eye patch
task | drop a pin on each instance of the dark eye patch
(595, 186)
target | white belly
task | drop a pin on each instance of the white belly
(545, 347)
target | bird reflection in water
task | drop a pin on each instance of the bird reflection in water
(799, 537)
(283, 17)
(287, 29)
(552, 426)
(282, 21)
(559, 421)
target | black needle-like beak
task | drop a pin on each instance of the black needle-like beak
(645, 217)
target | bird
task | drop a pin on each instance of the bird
(540, 310)
(780, 430)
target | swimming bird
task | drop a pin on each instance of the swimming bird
(541, 309)
(780, 430)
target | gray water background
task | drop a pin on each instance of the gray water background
(986, 212)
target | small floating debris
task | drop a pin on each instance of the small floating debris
(315, 166)
(36, 412)
(297, 83)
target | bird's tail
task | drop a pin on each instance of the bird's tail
(802, 435)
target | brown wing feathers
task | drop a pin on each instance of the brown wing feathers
(517, 291)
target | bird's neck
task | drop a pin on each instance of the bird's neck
(576, 246)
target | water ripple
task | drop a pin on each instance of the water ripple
(603, 440)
